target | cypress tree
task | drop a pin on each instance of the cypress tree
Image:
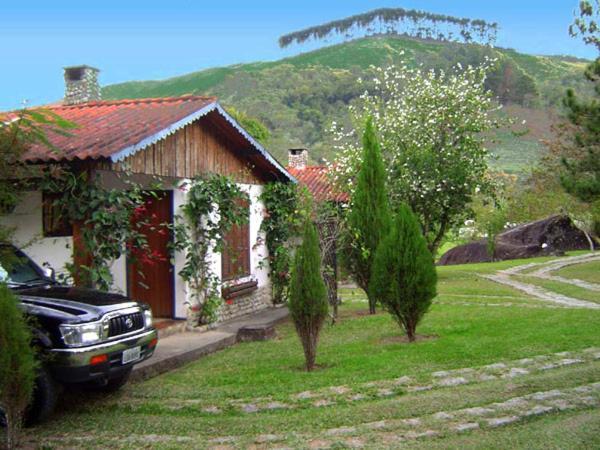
(17, 365)
(369, 217)
(404, 277)
(308, 294)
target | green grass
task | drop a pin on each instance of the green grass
(563, 288)
(359, 349)
(589, 272)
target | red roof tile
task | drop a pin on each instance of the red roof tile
(106, 128)
(317, 182)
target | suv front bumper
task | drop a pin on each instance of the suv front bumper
(72, 365)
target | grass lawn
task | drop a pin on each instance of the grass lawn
(587, 272)
(563, 288)
(353, 400)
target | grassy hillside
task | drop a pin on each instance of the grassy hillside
(298, 97)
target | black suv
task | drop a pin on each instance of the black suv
(83, 336)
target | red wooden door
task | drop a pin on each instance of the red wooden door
(151, 281)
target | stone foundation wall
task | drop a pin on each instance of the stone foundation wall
(256, 301)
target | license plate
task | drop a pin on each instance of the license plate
(132, 354)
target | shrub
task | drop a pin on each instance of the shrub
(17, 364)
(308, 294)
(368, 219)
(404, 277)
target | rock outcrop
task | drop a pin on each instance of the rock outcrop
(551, 236)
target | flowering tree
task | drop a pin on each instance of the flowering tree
(431, 127)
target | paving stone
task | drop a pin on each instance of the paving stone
(548, 366)
(466, 426)
(464, 371)
(323, 402)
(583, 389)
(496, 366)
(276, 405)
(569, 361)
(560, 404)
(500, 421)
(340, 389)
(305, 395)
(385, 392)
(442, 415)
(402, 380)
(517, 402)
(414, 422)
(452, 381)
(421, 434)
(211, 410)
(441, 374)
(538, 410)
(487, 377)
(525, 361)
(375, 425)
(264, 438)
(427, 387)
(477, 411)
(515, 372)
(223, 440)
(340, 431)
(319, 443)
(546, 395)
(358, 397)
(250, 408)
(355, 442)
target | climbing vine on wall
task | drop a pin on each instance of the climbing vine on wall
(411, 22)
(111, 223)
(280, 225)
(211, 209)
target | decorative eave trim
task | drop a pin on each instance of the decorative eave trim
(174, 127)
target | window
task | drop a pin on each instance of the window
(235, 261)
(54, 221)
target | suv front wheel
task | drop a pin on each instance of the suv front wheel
(45, 394)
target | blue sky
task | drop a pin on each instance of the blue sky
(131, 39)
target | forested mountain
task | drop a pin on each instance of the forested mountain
(298, 97)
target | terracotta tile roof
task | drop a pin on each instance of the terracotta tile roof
(317, 182)
(106, 128)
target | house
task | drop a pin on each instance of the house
(148, 140)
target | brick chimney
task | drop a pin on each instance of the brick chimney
(81, 85)
(297, 158)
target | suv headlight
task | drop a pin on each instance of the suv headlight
(147, 318)
(81, 335)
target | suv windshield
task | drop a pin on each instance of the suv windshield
(17, 269)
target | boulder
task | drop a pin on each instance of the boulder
(551, 236)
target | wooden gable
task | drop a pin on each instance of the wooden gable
(206, 145)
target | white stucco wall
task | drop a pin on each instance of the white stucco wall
(258, 262)
(27, 222)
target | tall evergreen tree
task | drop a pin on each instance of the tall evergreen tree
(369, 216)
(17, 365)
(581, 174)
(404, 277)
(308, 294)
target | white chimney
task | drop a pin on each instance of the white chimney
(81, 85)
(297, 158)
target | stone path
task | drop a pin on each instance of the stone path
(334, 395)
(378, 434)
(544, 272)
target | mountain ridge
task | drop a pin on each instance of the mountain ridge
(298, 96)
